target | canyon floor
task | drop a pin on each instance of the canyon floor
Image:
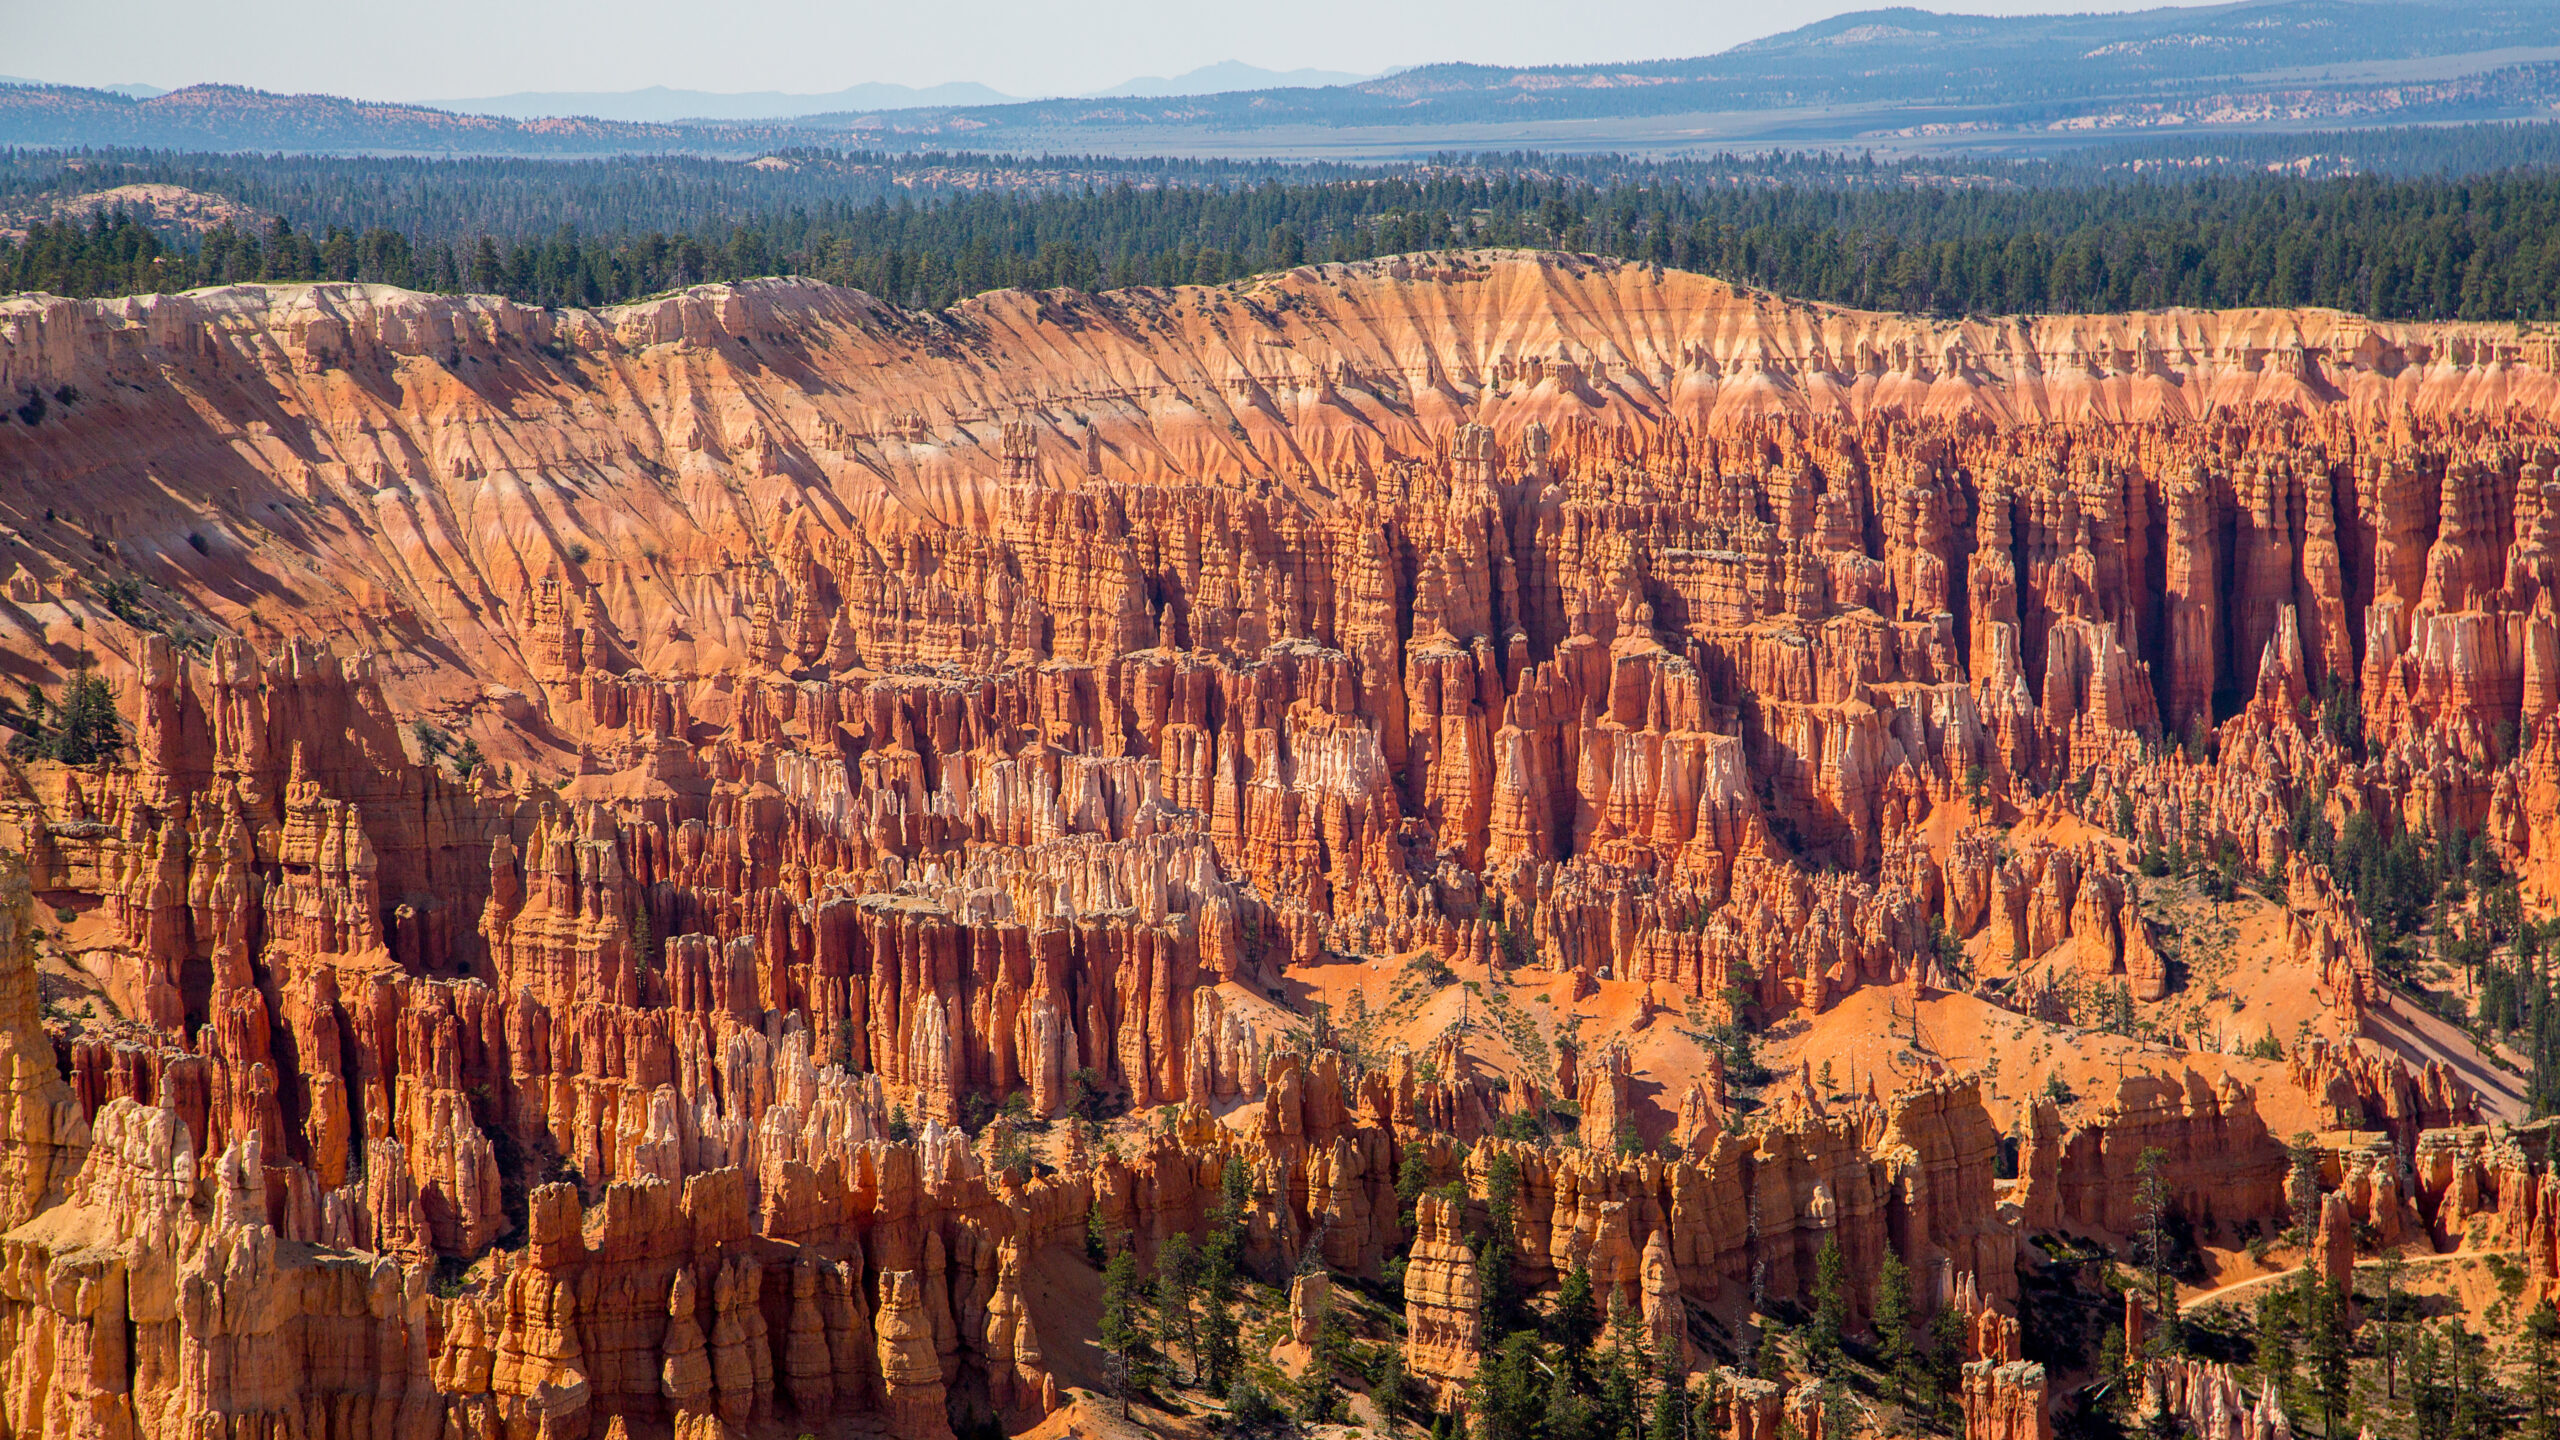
(711, 868)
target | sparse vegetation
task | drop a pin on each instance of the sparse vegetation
(79, 727)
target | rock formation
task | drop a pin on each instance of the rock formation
(615, 801)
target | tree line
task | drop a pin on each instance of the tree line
(2481, 248)
(458, 199)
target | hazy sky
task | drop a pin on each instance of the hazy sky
(1026, 47)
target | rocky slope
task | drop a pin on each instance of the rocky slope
(878, 717)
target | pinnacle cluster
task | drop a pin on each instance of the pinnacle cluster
(758, 864)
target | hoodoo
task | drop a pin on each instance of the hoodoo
(759, 863)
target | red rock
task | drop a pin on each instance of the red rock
(2005, 1401)
(1752, 1408)
(873, 757)
(2333, 1255)
(1441, 1302)
(2204, 1396)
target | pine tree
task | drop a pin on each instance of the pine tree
(2475, 1407)
(1498, 1300)
(1569, 1411)
(1125, 1342)
(1772, 1351)
(1830, 1305)
(1249, 1406)
(2113, 1375)
(2542, 1373)
(1220, 1341)
(2276, 1360)
(1319, 1394)
(1667, 1417)
(1413, 1176)
(1703, 1406)
(89, 728)
(1393, 1389)
(1893, 1323)
(2430, 1393)
(1510, 1390)
(2329, 1373)
(1621, 1378)
(2153, 1198)
(2385, 1323)
(32, 724)
(1286, 250)
(81, 728)
(1946, 1356)
(2440, 246)
(1575, 1321)
(1177, 1273)
(1621, 1395)
(487, 272)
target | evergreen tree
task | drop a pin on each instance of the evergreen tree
(86, 727)
(488, 273)
(2062, 236)
(1771, 1353)
(1413, 1176)
(2277, 1366)
(1319, 1393)
(1622, 1372)
(1220, 1332)
(1575, 1322)
(2475, 1402)
(1946, 1356)
(1571, 1411)
(1177, 1274)
(81, 728)
(1510, 1390)
(2114, 1375)
(1498, 1300)
(1667, 1416)
(1830, 1306)
(2430, 1391)
(2385, 1324)
(2152, 1197)
(1703, 1406)
(2541, 1346)
(2330, 1376)
(1393, 1389)
(1893, 1324)
(1127, 1348)
(1249, 1406)
(1286, 249)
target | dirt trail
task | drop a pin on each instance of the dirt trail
(2241, 1289)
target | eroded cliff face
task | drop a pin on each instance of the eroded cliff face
(882, 716)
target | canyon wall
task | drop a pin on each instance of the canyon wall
(613, 802)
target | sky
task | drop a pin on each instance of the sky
(408, 51)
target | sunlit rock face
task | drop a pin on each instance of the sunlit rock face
(886, 720)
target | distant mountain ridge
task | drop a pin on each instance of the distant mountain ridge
(1225, 78)
(657, 104)
(130, 92)
(235, 117)
(664, 105)
(1899, 76)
